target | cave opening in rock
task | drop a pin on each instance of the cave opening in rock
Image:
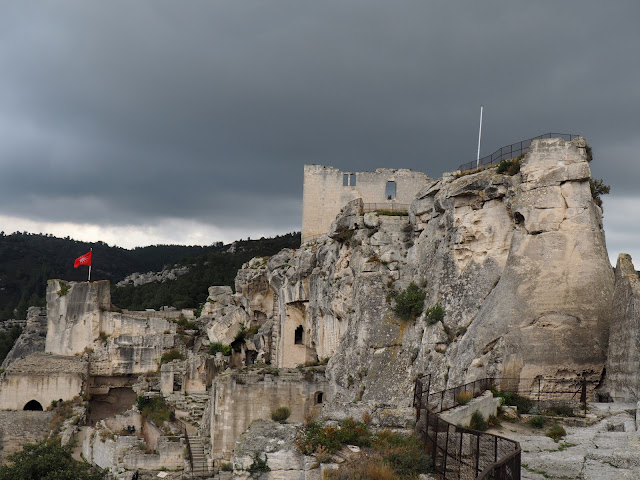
(33, 405)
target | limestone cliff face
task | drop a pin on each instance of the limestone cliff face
(518, 263)
(80, 319)
(32, 339)
(74, 312)
(623, 377)
(549, 312)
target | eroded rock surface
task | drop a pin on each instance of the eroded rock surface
(623, 378)
(518, 263)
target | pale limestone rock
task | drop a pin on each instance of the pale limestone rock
(225, 328)
(623, 376)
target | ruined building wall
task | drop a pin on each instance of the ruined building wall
(80, 318)
(324, 192)
(44, 378)
(240, 399)
(19, 428)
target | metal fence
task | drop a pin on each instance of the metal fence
(183, 428)
(462, 453)
(458, 452)
(511, 151)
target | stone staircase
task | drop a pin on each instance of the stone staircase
(190, 409)
(200, 464)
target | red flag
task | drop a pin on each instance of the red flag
(83, 260)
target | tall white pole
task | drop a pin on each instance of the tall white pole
(90, 264)
(479, 137)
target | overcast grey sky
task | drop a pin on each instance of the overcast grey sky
(141, 122)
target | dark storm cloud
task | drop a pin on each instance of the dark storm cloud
(129, 112)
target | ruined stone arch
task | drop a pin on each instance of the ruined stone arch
(33, 405)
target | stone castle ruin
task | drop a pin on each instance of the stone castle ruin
(517, 262)
(326, 190)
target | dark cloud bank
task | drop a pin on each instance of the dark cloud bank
(122, 112)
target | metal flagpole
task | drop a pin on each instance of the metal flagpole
(90, 264)
(479, 137)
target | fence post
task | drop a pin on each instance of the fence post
(446, 452)
(435, 443)
(417, 398)
(477, 454)
(460, 453)
(539, 388)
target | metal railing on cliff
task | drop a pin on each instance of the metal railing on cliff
(183, 427)
(511, 151)
(463, 453)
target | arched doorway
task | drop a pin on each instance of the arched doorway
(33, 405)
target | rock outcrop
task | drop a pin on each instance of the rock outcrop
(165, 275)
(623, 375)
(518, 263)
(32, 339)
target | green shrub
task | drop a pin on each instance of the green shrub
(332, 438)
(48, 460)
(562, 410)
(556, 432)
(393, 213)
(216, 347)
(409, 302)
(154, 409)
(64, 289)
(513, 399)
(598, 188)
(171, 355)
(464, 397)
(259, 465)
(184, 324)
(239, 339)
(493, 421)
(280, 414)
(478, 422)
(226, 467)
(404, 454)
(537, 421)
(509, 166)
(435, 314)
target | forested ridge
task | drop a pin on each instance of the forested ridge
(217, 267)
(27, 261)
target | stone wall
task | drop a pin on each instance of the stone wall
(19, 428)
(623, 375)
(486, 404)
(239, 399)
(129, 453)
(121, 343)
(44, 378)
(324, 193)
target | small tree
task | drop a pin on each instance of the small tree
(435, 314)
(410, 302)
(280, 414)
(598, 188)
(48, 460)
